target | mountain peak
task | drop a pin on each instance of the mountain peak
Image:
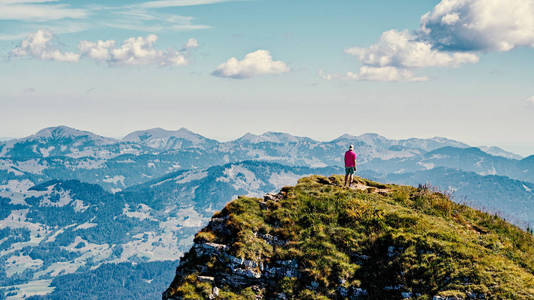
(159, 132)
(319, 240)
(160, 138)
(270, 136)
(62, 132)
(497, 151)
(344, 137)
(283, 137)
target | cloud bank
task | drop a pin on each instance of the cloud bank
(132, 51)
(259, 62)
(455, 32)
(40, 45)
(479, 25)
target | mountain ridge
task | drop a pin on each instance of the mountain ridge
(376, 241)
(426, 144)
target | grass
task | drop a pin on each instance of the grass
(408, 240)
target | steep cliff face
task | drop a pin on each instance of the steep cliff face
(374, 241)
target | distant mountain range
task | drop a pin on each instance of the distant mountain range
(66, 153)
(77, 143)
(64, 226)
(72, 201)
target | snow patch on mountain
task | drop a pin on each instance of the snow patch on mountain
(160, 138)
(33, 166)
(284, 178)
(115, 179)
(271, 137)
(18, 190)
(496, 151)
(185, 217)
(9, 167)
(151, 246)
(85, 225)
(89, 252)
(185, 177)
(52, 237)
(79, 206)
(125, 161)
(62, 132)
(426, 165)
(241, 178)
(191, 176)
(56, 198)
(19, 263)
(17, 219)
(32, 288)
(142, 212)
(45, 152)
(315, 163)
(86, 164)
(490, 171)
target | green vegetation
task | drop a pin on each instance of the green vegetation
(387, 240)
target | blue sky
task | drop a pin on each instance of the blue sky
(313, 68)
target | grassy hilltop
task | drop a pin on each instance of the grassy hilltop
(318, 240)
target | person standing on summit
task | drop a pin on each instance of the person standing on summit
(350, 165)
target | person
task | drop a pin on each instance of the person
(350, 165)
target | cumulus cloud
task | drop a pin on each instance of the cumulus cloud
(402, 49)
(479, 25)
(452, 34)
(41, 45)
(191, 44)
(133, 51)
(397, 53)
(259, 62)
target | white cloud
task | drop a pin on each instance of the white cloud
(38, 11)
(259, 62)
(530, 100)
(99, 50)
(41, 45)
(177, 3)
(452, 34)
(397, 53)
(479, 25)
(402, 49)
(387, 73)
(191, 44)
(133, 51)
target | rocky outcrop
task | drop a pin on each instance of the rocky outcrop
(370, 241)
(234, 272)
